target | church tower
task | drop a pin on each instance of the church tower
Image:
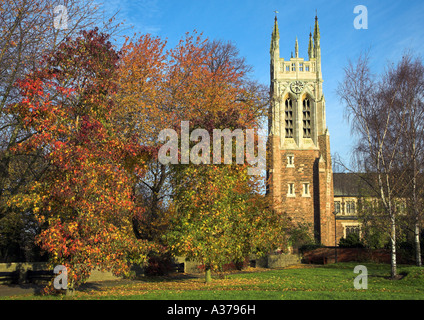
(300, 178)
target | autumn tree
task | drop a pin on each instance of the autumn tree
(84, 201)
(29, 29)
(218, 215)
(160, 87)
(208, 84)
(142, 73)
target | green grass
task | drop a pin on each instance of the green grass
(307, 283)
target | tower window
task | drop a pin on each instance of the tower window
(300, 66)
(287, 68)
(290, 161)
(306, 68)
(293, 66)
(306, 190)
(290, 190)
(289, 118)
(307, 119)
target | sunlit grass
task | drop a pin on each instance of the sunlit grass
(302, 282)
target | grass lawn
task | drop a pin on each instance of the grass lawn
(304, 282)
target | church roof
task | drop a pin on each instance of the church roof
(350, 185)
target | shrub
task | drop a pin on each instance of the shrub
(159, 265)
(351, 241)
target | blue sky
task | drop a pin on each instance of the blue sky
(393, 26)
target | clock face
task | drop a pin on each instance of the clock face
(297, 86)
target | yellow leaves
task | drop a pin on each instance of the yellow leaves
(183, 284)
(27, 201)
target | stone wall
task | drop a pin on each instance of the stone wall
(276, 261)
(189, 266)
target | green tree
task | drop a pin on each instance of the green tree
(219, 217)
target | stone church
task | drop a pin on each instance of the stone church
(299, 166)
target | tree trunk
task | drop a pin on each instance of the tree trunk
(417, 242)
(393, 242)
(416, 210)
(70, 290)
(208, 274)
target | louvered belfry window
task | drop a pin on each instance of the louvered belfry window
(307, 132)
(289, 118)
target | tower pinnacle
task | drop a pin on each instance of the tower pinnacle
(317, 35)
(317, 48)
(310, 47)
(296, 49)
(275, 38)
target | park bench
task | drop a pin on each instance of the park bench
(252, 263)
(33, 276)
(9, 277)
(178, 267)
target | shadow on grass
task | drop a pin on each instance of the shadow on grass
(18, 289)
(399, 276)
(8, 290)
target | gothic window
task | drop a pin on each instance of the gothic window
(337, 207)
(307, 118)
(350, 207)
(353, 229)
(289, 118)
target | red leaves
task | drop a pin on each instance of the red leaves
(85, 197)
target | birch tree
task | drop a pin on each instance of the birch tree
(409, 77)
(377, 122)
